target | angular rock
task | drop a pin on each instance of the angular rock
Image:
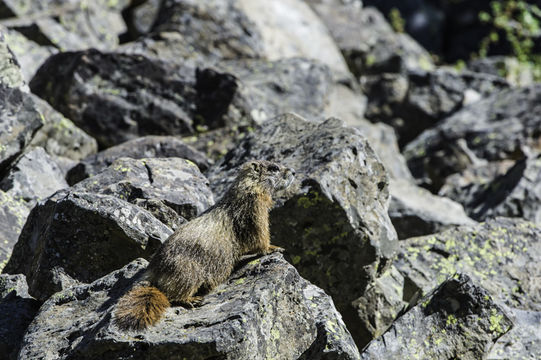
(59, 136)
(367, 41)
(33, 177)
(65, 23)
(143, 147)
(19, 120)
(176, 183)
(261, 312)
(13, 215)
(10, 71)
(78, 237)
(524, 339)
(516, 72)
(324, 221)
(515, 194)
(18, 309)
(289, 28)
(502, 254)
(419, 99)
(29, 54)
(458, 320)
(503, 126)
(415, 211)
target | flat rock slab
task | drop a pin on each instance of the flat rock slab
(18, 309)
(143, 147)
(458, 320)
(78, 237)
(262, 312)
(333, 221)
(502, 254)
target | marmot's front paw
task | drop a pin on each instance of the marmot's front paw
(273, 248)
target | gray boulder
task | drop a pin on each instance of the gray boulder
(323, 221)
(503, 126)
(78, 237)
(265, 310)
(419, 99)
(162, 185)
(10, 72)
(33, 177)
(143, 147)
(19, 120)
(13, 215)
(457, 320)
(18, 309)
(415, 211)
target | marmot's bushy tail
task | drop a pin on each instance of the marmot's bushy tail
(141, 307)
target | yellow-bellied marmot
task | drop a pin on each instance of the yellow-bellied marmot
(201, 254)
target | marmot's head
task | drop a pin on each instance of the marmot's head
(266, 175)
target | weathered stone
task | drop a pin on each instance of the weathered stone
(518, 73)
(265, 310)
(143, 147)
(324, 221)
(419, 99)
(59, 136)
(78, 237)
(33, 177)
(13, 215)
(289, 28)
(19, 120)
(503, 126)
(176, 182)
(502, 254)
(10, 70)
(18, 309)
(415, 211)
(458, 320)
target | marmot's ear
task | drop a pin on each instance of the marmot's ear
(255, 166)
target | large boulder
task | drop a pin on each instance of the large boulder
(457, 320)
(333, 222)
(33, 177)
(505, 126)
(13, 215)
(172, 189)
(18, 309)
(265, 310)
(78, 237)
(19, 120)
(143, 147)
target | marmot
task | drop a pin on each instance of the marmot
(201, 254)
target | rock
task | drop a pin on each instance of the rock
(19, 120)
(515, 72)
(30, 55)
(78, 237)
(515, 194)
(18, 309)
(289, 28)
(59, 136)
(143, 147)
(10, 72)
(66, 24)
(420, 99)
(415, 211)
(503, 126)
(346, 103)
(501, 253)
(176, 183)
(13, 215)
(458, 320)
(323, 222)
(523, 341)
(261, 312)
(32, 177)
(368, 42)
(139, 16)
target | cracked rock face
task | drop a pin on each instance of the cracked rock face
(265, 310)
(333, 222)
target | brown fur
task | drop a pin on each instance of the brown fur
(201, 254)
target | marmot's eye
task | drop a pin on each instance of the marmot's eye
(273, 168)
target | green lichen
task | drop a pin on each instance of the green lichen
(495, 322)
(451, 320)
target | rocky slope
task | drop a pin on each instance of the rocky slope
(412, 230)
